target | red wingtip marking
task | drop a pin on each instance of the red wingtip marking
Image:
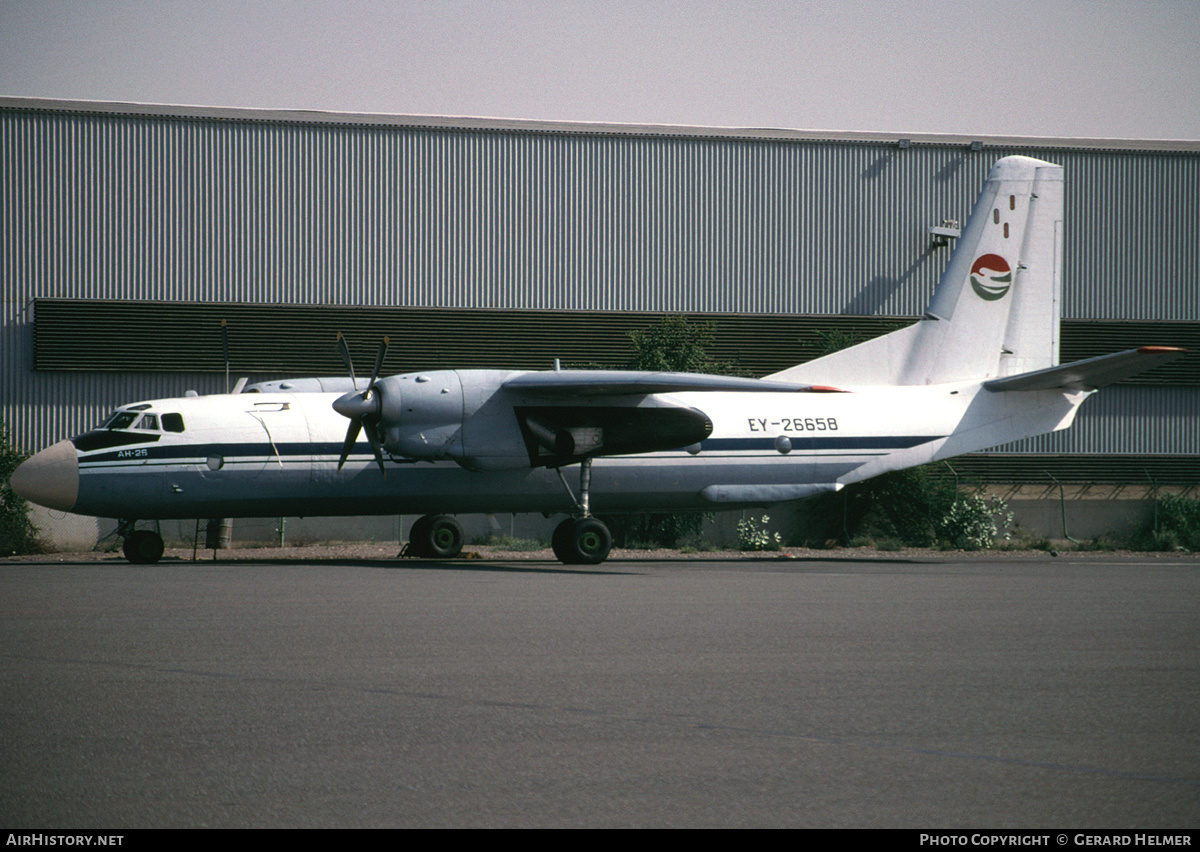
(1158, 350)
(826, 389)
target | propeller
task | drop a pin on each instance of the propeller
(361, 406)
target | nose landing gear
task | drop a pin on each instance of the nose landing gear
(141, 547)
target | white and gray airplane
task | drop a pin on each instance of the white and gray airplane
(979, 369)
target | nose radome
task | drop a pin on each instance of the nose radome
(50, 478)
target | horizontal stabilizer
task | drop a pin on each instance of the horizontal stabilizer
(1091, 373)
(625, 382)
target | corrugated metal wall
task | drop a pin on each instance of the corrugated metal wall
(136, 206)
(138, 335)
(139, 207)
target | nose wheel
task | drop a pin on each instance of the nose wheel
(141, 547)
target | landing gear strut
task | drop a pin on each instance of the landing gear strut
(435, 537)
(583, 540)
(141, 547)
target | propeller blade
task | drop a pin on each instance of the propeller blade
(383, 348)
(344, 348)
(351, 440)
(378, 451)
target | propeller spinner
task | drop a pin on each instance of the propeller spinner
(361, 407)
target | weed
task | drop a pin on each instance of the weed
(751, 537)
(506, 542)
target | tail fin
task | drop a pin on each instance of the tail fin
(995, 311)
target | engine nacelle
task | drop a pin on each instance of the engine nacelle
(422, 415)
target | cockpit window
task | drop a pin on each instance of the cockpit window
(129, 419)
(121, 420)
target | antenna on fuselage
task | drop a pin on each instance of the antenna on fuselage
(241, 383)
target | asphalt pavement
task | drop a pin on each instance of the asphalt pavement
(931, 692)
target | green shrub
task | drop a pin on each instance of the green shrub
(905, 506)
(677, 345)
(916, 507)
(17, 532)
(1177, 524)
(653, 529)
(975, 522)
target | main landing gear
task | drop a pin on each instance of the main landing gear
(581, 540)
(435, 537)
(141, 547)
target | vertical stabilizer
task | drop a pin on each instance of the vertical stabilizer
(995, 311)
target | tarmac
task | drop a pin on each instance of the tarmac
(826, 689)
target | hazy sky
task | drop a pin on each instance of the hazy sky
(1095, 68)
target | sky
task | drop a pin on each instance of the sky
(1109, 69)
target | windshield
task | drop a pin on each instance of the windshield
(149, 421)
(121, 420)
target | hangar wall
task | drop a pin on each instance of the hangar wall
(239, 205)
(119, 202)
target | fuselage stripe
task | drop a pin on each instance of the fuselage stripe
(259, 453)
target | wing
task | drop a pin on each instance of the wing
(576, 421)
(632, 382)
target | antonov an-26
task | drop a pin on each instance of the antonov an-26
(979, 369)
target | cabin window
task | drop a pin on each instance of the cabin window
(996, 216)
(172, 422)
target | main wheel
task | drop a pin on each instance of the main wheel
(435, 537)
(560, 541)
(445, 537)
(418, 536)
(581, 541)
(143, 547)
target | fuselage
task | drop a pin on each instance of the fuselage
(275, 454)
